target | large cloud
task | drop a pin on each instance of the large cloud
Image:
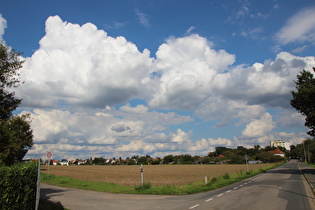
(259, 127)
(299, 28)
(185, 69)
(83, 66)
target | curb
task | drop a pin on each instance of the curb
(307, 179)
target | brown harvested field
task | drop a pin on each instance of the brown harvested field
(154, 174)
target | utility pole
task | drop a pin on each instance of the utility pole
(304, 151)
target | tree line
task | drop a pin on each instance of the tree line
(221, 155)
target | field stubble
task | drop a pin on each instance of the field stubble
(157, 175)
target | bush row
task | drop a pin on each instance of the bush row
(18, 186)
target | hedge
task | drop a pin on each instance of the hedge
(18, 186)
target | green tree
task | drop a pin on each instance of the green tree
(131, 162)
(168, 159)
(142, 160)
(304, 98)
(15, 132)
(16, 138)
(237, 159)
(220, 150)
(98, 161)
(9, 66)
(266, 157)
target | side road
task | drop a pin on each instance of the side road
(72, 198)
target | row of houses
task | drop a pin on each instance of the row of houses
(65, 162)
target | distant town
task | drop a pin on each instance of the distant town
(277, 151)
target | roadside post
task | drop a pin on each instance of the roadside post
(49, 155)
(141, 175)
(246, 158)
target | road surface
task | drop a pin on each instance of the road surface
(280, 188)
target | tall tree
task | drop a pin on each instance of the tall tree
(9, 66)
(304, 98)
(16, 136)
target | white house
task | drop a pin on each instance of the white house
(64, 162)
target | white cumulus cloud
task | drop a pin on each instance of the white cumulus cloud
(185, 69)
(81, 65)
(260, 127)
(299, 28)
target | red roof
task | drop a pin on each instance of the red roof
(277, 151)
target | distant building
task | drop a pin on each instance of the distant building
(280, 143)
(255, 162)
(80, 162)
(277, 152)
(64, 162)
(54, 162)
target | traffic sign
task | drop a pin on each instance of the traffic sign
(49, 155)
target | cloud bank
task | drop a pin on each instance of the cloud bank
(79, 74)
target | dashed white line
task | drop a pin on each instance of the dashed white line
(194, 206)
(210, 199)
(228, 191)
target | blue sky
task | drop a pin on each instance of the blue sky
(124, 78)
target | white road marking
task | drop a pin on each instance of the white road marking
(241, 185)
(220, 195)
(235, 188)
(194, 206)
(210, 199)
(228, 191)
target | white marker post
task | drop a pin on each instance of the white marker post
(246, 158)
(141, 175)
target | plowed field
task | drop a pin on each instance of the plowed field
(154, 174)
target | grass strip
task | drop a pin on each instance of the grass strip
(190, 188)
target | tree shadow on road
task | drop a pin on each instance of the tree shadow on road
(284, 171)
(308, 171)
(48, 194)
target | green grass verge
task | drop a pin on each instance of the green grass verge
(310, 164)
(190, 188)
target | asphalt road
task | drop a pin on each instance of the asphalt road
(280, 188)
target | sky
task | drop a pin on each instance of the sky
(119, 78)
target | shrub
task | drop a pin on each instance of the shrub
(18, 186)
(248, 172)
(226, 176)
(145, 186)
(213, 180)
